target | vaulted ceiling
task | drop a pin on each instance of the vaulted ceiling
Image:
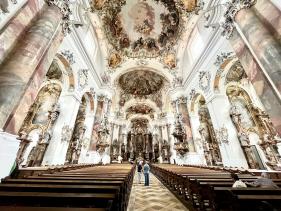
(135, 34)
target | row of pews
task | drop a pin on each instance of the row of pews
(68, 188)
(209, 189)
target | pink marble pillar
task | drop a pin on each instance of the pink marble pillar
(263, 43)
(17, 25)
(20, 66)
(182, 106)
(263, 89)
(14, 124)
(270, 16)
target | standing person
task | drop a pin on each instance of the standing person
(146, 170)
(139, 172)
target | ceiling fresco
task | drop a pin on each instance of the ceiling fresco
(141, 82)
(143, 28)
(140, 109)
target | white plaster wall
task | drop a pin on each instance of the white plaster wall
(8, 153)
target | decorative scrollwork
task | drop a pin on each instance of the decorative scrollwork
(66, 133)
(69, 56)
(222, 135)
(204, 80)
(223, 56)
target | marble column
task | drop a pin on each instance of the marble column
(265, 46)
(263, 88)
(270, 15)
(17, 70)
(16, 26)
(258, 37)
(182, 109)
(107, 106)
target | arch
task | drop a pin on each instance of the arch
(194, 100)
(148, 102)
(90, 99)
(139, 116)
(67, 71)
(115, 76)
(229, 71)
(222, 71)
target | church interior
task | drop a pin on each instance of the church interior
(91, 90)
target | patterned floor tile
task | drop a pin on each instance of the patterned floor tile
(156, 197)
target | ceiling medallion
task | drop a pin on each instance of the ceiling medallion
(142, 28)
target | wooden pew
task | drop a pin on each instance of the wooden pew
(198, 188)
(98, 187)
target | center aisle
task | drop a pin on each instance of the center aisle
(156, 197)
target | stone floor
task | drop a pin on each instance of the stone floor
(156, 197)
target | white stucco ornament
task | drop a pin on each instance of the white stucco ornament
(204, 80)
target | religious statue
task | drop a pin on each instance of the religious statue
(165, 151)
(264, 121)
(41, 147)
(245, 144)
(115, 150)
(210, 145)
(123, 151)
(271, 155)
(103, 133)
(24, 143)
(54, 112)
(235, 115)
(66, 133)
(31, 157)
(74, 149)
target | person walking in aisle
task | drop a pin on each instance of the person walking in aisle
(146, 170)
(139, 172)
